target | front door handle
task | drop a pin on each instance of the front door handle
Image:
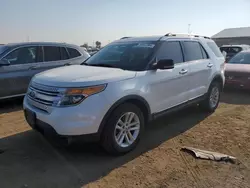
(210, 65)
(34, 68)
(183, 71)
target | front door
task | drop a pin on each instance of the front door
(168, 88)
(15, 78)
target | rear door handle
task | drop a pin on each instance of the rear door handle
(210, 65)
(67, 64)
(183, 71)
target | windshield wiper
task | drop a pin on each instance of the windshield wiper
(84, 63)
(102, 65)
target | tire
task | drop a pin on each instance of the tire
(207, 104)
(110, 136)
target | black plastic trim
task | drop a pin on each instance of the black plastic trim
(119, 102)
(179, 107)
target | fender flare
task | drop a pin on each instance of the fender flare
(118, 103)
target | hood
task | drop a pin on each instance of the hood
(237, 68)
(81, 75)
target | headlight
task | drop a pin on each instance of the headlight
(74, 96)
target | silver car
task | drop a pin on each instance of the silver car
(20, 62)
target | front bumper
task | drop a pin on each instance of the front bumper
(82, 119)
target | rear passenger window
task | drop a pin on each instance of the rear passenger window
(64, 53)
(73, 53)
(215, 48)
(192, 51)
(51, 53)
(171, 50)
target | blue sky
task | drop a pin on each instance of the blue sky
(79, 21)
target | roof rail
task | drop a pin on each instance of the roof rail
(124, 38)
(184, 35)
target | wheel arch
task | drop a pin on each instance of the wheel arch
(218, 78)
(134, 99)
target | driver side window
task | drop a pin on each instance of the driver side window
(22, 56)
(171, 50)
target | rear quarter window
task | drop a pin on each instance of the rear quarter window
(73, 52)
(214, 48)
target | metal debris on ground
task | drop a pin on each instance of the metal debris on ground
(209, 155)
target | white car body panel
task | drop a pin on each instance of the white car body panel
(161, 89)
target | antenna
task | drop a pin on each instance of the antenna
(189, 25)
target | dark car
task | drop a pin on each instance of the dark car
(237, 71)
(232, 50)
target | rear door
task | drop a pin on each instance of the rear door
(200, 68)
(24, 63)
(53, 57)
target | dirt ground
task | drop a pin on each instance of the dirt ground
(27, 159)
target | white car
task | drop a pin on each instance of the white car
(113, 94)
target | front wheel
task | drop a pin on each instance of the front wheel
(213, 97)
(123, 129)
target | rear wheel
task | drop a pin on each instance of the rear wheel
(213, 97)
(123, 129)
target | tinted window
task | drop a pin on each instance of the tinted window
(192, 51)
(73, 53)
(51, 53)
(22, 55)
(64, 53)
(215, 48)
(171, 50)
(39, 54)
(240, 58)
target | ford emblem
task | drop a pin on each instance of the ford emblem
(33, 94)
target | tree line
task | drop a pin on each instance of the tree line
(98, 44)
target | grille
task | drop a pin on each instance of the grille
(41, 96)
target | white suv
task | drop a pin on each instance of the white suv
(114, 93)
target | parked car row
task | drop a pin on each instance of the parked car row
(20, 62)
(109, 97)
(112, 95)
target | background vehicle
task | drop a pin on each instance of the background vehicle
(19, 62)
(232, 50)
(123, 86)
(237, 71)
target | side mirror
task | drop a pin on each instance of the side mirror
(4, 62)
(164, 64)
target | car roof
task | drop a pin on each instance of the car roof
(14, 45)
(235, 45)
(162, 38)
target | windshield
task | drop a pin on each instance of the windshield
(241, 58)
(129, 56)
